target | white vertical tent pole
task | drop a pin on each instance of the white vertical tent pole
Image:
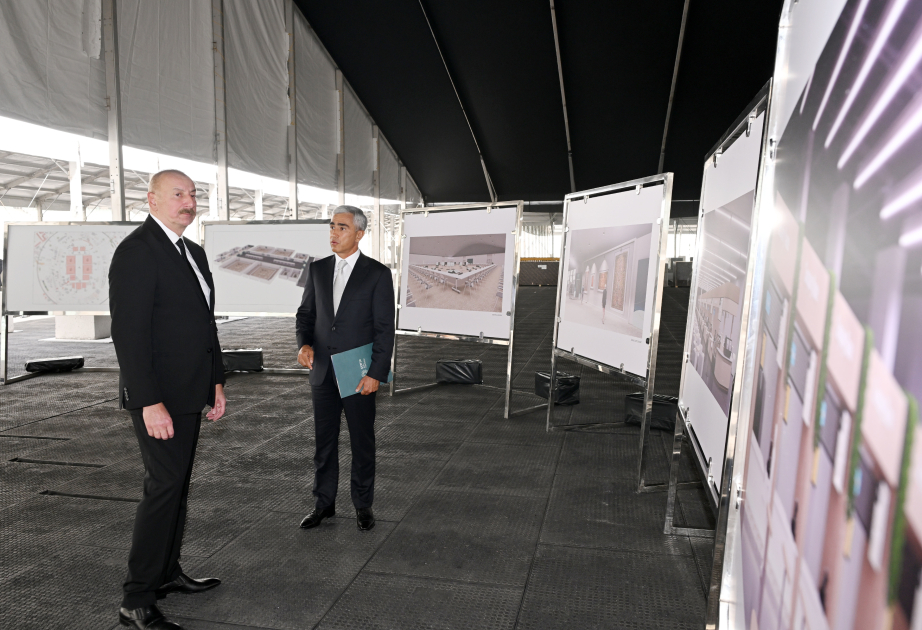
(258, 204)
(341, 138)
(113, 103)
(222, 195)
(377, 244)
(292, 103)
(76, 191)
(403, 187)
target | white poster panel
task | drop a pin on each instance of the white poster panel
(606, 305)
(261, 267)
(714, 308)
(457, 272)
(60, 267)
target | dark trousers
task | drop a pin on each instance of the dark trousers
(360, 418)
(161, 516)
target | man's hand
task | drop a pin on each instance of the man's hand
(306, 357)
(220, 404)
(367, 386)
(158, 422)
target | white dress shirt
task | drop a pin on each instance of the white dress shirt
(350, 265)
(174, 238)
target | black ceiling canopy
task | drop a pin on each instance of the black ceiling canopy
(617, 59)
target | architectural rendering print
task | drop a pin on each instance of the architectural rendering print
(458, 272)
(265, 263)
(71, 267)
(721, 280)
(606, 277)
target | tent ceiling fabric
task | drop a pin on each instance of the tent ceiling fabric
(617, 64)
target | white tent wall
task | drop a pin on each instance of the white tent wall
(166, 69)
(414, 198)
(389, 168)
(360, 152)
(50, 73)
(316, 109)
(256, 71)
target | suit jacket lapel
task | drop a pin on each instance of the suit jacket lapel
(355, 278)
(324, 279)
(174, 256)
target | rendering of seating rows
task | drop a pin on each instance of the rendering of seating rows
(463, 288)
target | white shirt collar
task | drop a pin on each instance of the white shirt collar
(351, 259)
(174, 238)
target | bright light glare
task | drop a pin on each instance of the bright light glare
(903, 201)
(905, 130)
(896, 9)
(29, 139)
(912, 237)
(897, 79)
(856, 22)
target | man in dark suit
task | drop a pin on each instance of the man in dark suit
(161, 297)
(348, 302)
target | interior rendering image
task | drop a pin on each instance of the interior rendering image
(458, 272)
(606, 276)
(721, 281)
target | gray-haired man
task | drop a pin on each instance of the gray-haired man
(348, 302)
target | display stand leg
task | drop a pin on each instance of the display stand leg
(674, 485)
(509, 375)
(5, 355)
(4, 347)
(394, 391)
(644, 429)
(550, 393)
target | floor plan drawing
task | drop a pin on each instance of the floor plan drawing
(71, 267)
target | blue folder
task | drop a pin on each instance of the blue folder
(350, 366)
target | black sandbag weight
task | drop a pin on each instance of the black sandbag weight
(459, 371)
(664, 411)
(566, 389)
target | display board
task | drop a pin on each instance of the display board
(457, 271)
(610, 262)
(828, 532)
(59, 266)
(261, 266)
(712, 335)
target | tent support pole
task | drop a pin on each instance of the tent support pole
(292, 115)
(113, 104)
(563, 97)
(222, 195)
(675, 76)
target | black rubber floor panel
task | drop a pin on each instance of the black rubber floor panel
(482, 522)
(592, 588)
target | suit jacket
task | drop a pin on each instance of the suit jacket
(164, 333)
(365, 315)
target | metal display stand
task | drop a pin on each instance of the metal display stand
(683, 428)
(454, 337)
(647, 381)
(5, 322)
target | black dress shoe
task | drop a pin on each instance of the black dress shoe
(186, 585)
(365, 518)
(315, 516)
(146, 618)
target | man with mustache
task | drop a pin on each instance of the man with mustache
(161, 297)
(348, 302)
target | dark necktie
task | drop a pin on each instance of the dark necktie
(182, 252)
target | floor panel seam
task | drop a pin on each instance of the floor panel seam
(391, 533)
(534, 553)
